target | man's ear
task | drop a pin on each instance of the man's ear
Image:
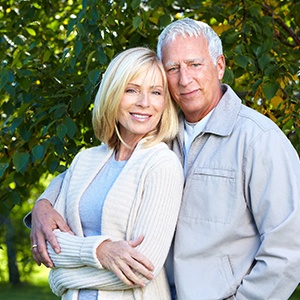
(221, 66)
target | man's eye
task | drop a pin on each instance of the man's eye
(172, 70)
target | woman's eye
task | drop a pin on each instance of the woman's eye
(157, 93)
(130, 90)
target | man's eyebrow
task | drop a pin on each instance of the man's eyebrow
(171, 64)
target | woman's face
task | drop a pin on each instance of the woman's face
(141, 106)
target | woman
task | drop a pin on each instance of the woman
(125, 193)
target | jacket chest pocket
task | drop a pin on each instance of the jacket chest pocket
(210, 195)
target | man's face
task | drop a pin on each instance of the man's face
(193, 78)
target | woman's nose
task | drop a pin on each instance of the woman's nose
(143, 100)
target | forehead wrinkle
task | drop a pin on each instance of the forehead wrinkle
(192, 60)
(186, 61)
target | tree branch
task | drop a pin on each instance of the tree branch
(281, 23)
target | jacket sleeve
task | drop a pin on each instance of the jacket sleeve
(272, 173)
(52, 191)
(51, 194)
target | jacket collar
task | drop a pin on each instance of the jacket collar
(223, 118)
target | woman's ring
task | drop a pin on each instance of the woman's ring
(33, 246)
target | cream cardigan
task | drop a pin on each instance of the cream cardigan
(144, 200)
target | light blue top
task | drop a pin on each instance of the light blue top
(91, 205)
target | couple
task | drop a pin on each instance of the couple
(238, 216)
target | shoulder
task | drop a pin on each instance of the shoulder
(257, 119)
(90, 155)
(160, 157)
(97, 150)
(157, 152)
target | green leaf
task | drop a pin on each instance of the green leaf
(30, 31)
(241, 61)
(232, 37)
(59, 110)
(24, 133)
(71, 26)
(136, 22)
(61, 131)
(3, 167)
(3, 78)
(76, 104)
(228, 76)
(263, 61)
(89, 59)
(20, 161)
(47, 54)
(94, 76)
(164, 20)
(77, 47)
(71, 127)
(135, 4)
(38, 152)
(14, 197)
(270, 89)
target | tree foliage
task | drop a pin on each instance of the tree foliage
(53, 53)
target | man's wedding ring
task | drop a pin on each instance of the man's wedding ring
(33, 246)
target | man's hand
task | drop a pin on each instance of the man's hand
(44, 219)
(122, 259)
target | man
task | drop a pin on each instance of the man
(239, 226)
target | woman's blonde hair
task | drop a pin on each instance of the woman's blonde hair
(125, 67)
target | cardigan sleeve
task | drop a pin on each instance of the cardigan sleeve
(76, 251)
(155, 217)
(62, 279)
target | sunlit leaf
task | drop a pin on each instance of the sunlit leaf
(30, 31)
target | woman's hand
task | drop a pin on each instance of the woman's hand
(44, 219)
(125, 261)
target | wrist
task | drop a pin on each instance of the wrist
(44, 201)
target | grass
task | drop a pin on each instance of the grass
(38, 289)
(26, 291)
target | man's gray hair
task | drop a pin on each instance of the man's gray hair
(190, 28)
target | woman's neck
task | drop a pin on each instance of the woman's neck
(123, 153)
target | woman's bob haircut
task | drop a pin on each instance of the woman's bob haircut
(125, 67)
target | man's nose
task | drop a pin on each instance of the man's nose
(185, 77)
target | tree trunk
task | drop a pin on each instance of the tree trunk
(14, 274)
